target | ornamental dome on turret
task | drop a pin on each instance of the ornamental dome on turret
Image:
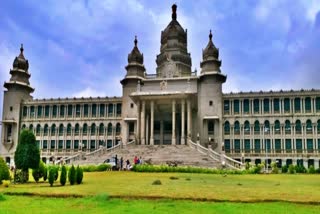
(135, 56)
(210, 51)
(20, 62)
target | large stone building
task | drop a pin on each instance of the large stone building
(173, 106)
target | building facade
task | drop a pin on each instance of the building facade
(171, 107)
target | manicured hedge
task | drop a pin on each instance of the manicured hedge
(96, 168)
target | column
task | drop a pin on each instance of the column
(161, 132)
(183, 142)
(173, 122)
(143, 121)
(152, 123)
(138, 123)
(189, 119)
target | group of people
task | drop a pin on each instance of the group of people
(136, 160)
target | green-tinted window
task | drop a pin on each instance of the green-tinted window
(287, 105)
(102, 107)
(276, 105)
(62, 110)
(247, 146)
(236, 106)
(308, 104)
(101, 129)
(54, 111)
(298, 127)
(110, 110)
(299, 145)
(256, 105)
(246, 127)
(227, 146)
(78, 110)
(69, 110)
(318, 144)
(266, 126)
(266, 107)
(46, 111)
(256, 126)
(38, 144)
(109, 129)
(69, 129)
(309, 127)
(297, 104)
(93, 110)
(53, 144)
(45, 144)
(318, 103)
(318, 126)
(237, 146)
(61, 130)
(227, 128)
(277, 127)
(119, 106)
(310, 145)
(77, 129)
(118, 129)
(45, 130)
(237, 127)
(226, 106)
(277, 145)
(85, 110)
(24, 111)
(76, 144)
(92, 144)
(68, 144)
(60, 145)
(39, 110)
(257, 146)
(84, 144)
(53, 129)
(32, 114)
(85, 129)
(210, 127)
(109, 143)
(38, 129)
(246, 105)
(267, 144)
(288, 145)
(287, 127)
(93, 129)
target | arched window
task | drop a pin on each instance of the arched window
(266, 126)
(85, 129)
(53, 129)
(237, 127)
(85, 110)
(31, 127)
(93, 129)
(109, 129)
(69, 129)
(118, 129)
(277, 127)
(256, 106)
(246, 127)
(61, 129)
(77, 129)
(45, 130)
(227, 128)
(287, 127)
(46, 111)
(101, 129)
(256, 127)
(62, 110)
(309, 127)
(38, 129)
(78, 110)
(298, 127)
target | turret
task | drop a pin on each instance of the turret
(135, 67)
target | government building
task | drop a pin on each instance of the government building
(173, 106)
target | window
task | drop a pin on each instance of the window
(53, 129)
(109, 143)
(210, 127)
(32, 114)
(61, 130)
(11, 108)
(227, 146)
(256, 127)
(309, 127)
(308, 104)
(227, 128)
(131, 105)
(277, 127)
(210, 103)
(119, 110)
(77, 129)
(101, 129)
(69, 110)
(93, 110)
(92, 144)
(246, 127)
(54, 111)
(246, 105)
(288, 145)
(257, 146)
(318, 104)
(68, 144)
(299, 145)
(118, 129)
(237, 146)
(60, 144)
(69, 129)
(237, 127)
(131, 128)
(39, 110)
(24, 111)
(266, 108)
(45, 130)
(276, 105)
(9, 130)
(109, 129)
(86, 110)
(297, 105)
(277, 145)
(236, 106)
(78, 110)
(267, 145)
(53, 144)
(110, 110)
(85, 129)
(247, 146)
(102, 107)
(256, 106)
(24, 126)
(38, 129)
(266, 127)
(298, 127)
(287, 127)
(76, 144)
(45, 144)
(318, 126)
(62, 110)
(46, 111)
(286, 105)
(226, 106)
(93, 129)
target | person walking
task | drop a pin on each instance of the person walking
(121, 163)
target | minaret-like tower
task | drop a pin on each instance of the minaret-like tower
(131, 83)
(18, 90)
(174, 59)
(210, 96)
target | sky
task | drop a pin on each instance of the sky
(79, 48)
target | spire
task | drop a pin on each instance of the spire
(210, 35)
(135, 55)
(21, 52)
(174, 12)
(135, 41)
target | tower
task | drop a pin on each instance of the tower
(210, 96)
(132, 83)
(18, 90)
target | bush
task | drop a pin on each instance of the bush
(4, 170)
(274, 168)
(300, 169)
(284, 169)
(291, 169)
(311, 170)
(318, 170)
(39, 172)
(79, 175)
(156, 182)
(72, 175)
(45, 173)
(5, 183)
(98, 168)
(52, 175)
(63, 176)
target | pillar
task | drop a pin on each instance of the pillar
(189, 119)
(173, 122)
(183, 142)
(143, 121)
(138, 123)
(161, 132)
(152, 123)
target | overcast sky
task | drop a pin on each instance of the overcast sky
(80, 48)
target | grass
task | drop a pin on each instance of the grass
(232, 188)
(103, 204)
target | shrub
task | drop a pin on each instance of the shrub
(247, 166)
(311, 170)
(52, 175)
(39, 172)
(4, 170)
(284, 169)
(72, 175)
(318, 170)
(63, 176)
(173, 178)
(274, 168)
(18, 176)
(300, 169)
(79, 175)
(99, 168)
(156, 182)
(291, 169)
(5, 183)
(2, 198)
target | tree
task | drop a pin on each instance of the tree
(63, 175)
(79, 175)
(27, 154)
(52, 174)
(72, 175)
(39, 172)
(4, 171)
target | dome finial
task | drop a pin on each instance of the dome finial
(21, 49)
(174, 12)
(135, 41)
(210, 35)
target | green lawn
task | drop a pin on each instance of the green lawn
(101, 204)
(234, 188)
